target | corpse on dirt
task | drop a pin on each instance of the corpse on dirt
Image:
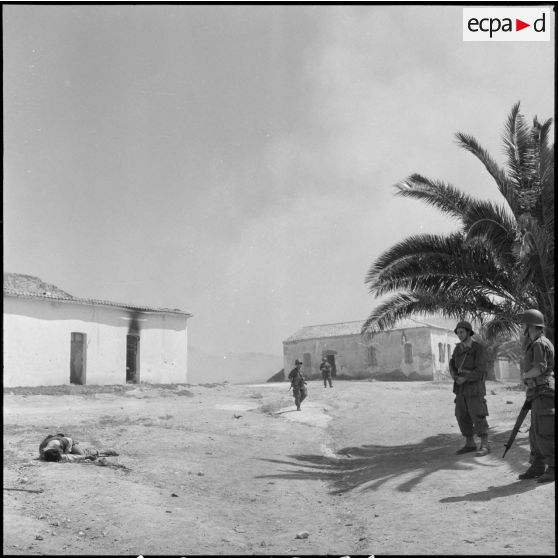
(62, 448)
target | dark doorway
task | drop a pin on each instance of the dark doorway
(78, 350)
(132, 359)
(408, 349)
(331, 360)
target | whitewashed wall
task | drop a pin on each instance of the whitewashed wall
(37, 340)
(441, 368)
(350, 358)
(352, 353)
(507, 371)
(390, 352)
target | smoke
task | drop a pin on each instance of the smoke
(134, 326)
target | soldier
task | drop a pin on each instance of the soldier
(325, 367)
(298, 383)
(467, 368)
(537, 372)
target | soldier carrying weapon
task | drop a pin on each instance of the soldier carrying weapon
(537, 371)
(298, 383)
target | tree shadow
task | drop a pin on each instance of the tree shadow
(492, 492)
(370, 466)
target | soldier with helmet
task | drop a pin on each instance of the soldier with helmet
(468, 368)
(537, 372)
(298, 384)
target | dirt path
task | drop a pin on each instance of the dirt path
(364, 468)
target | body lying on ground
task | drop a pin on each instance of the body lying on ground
(62, 448)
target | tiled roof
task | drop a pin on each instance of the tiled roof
(354, 328)
(31, 284)
(27, 286)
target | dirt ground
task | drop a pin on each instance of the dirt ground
(364, 468)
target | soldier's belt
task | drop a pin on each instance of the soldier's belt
(541, 380)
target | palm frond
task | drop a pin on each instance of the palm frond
(493, 225)
(444, 197)
(405, 305)
(431, 263)
(499, 262)
(501, 326)
(424, 244)
(516, 140)
(505, 186)
(547, 201)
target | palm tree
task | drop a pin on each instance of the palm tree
(501, 259)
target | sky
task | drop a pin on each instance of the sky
(238, 162)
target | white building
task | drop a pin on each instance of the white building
(53, 338)
(414, 349)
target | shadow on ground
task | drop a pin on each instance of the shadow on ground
(368, 467)
(517, 487)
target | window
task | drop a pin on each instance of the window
(449, 352)
(372, 358)
(307, 360)
(441, 352)
(408, 353)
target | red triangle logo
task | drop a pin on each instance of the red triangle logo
(519, 25)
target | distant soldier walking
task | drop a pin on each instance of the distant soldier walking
(537, 372)
(467, 368)
(325, 368)
(298, 383)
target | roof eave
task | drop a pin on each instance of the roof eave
(105, 304)
(290, 341)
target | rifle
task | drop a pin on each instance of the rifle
(520, 418)
(39, 491)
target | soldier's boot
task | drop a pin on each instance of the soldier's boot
(298, 407)
(484, 448)
(534, 471)
(548, 475)
(468, 447)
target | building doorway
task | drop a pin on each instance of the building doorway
(78, 359)
(132, 359)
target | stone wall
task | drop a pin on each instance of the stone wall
(411, 354)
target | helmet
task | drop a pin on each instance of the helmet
(533, 318)
(464, 325)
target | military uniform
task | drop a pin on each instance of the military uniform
(540, 393)
(298, 383)
(471, 409)
(325, 368)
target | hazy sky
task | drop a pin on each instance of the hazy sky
(238, 162)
